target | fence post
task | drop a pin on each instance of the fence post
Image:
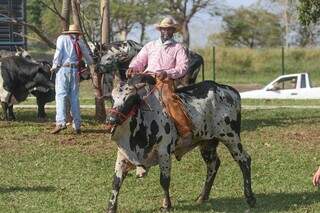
(282, 59)
(214, 63)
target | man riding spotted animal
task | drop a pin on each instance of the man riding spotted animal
(167, 60)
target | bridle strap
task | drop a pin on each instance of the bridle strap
(133, 111)
(123, 116)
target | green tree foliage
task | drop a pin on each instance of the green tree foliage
(295, 33)
(125, 14)
(39, 15)
(309, 11)
(250, 28)
(34, 9)
(184, 10)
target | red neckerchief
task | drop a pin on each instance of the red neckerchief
(76, 46)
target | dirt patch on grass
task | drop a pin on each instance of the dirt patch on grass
(308, 138)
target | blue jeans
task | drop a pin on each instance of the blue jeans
(67, 87)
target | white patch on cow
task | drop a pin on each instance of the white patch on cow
(91, 46)
(115, 50)
(4, 94)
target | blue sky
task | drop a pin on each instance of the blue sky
(238, 3)
(201, 25)
(212, 24)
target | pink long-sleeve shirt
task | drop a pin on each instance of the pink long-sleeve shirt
(170, 57)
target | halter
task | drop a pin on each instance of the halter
(134, 110)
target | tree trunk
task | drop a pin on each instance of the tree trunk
(123, 35)
(65, 13)
(105, 15)
(97, 77)
(76, 12)
(143, 30)
(99, 99)
(185, 34)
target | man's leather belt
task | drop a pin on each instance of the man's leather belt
(70, 65)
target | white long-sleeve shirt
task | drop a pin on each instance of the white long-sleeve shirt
(66, 54)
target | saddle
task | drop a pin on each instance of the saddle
(174, 106)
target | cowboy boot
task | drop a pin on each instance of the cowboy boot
(58, 128)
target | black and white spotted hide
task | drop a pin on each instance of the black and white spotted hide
(18, 78)
(146, 136)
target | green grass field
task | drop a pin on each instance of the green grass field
(40, 172)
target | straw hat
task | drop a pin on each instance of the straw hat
(73, 29)
(168, 22)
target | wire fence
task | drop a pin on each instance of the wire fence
(247, 66)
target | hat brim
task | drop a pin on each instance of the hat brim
(72, 32)
(175, 27)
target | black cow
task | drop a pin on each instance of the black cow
(18, 78)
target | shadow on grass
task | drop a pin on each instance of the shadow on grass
(265, 203)
(30, 115)
(253, 124)
(10, 189)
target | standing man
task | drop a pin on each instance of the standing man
(69, 52)
(167, 60)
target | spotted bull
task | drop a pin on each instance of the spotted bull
(146, 136)
(118, 55)
(20, 77)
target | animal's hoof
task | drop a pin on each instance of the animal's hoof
(178, 157)
(111, 210)
(166, 205)
(251, 201)
(11, 118)
(165, 209)
(201, 199)
(42, 119)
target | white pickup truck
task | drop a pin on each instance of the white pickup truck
(292, 86)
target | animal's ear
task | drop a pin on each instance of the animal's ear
(140, 85)
(131, 87)
(117, 84)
